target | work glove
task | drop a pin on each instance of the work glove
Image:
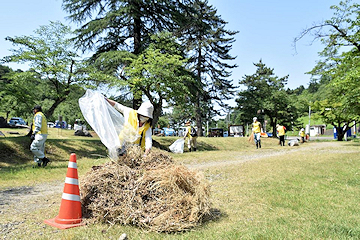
(32, 137)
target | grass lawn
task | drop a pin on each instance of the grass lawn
(305, 192)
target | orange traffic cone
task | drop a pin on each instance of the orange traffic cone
(70, 208)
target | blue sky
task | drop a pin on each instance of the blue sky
(266, 31)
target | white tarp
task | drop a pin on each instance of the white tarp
(105, 120)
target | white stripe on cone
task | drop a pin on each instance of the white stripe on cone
(72, 165)
(72, 181)
(71, 197)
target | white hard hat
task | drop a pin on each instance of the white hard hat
(254, 118)
(146, 109)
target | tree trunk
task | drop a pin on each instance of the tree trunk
(198, 118)
(157, 113)
(137, 49)
(51, 110)
(7, 116)
(273, 125)
(340, 133)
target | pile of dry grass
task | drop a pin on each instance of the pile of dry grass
(150, 192)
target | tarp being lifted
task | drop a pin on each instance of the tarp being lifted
(105, 120)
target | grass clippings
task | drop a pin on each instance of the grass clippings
(150, 192)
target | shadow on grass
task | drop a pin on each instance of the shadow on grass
(15, 152)
(202, 146)
(60, 150)
(213, 216)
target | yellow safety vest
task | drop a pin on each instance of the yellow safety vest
(44, 128)
(188, 129)
(302, 133)
(256, 127)
(133, 121)
(281, 130)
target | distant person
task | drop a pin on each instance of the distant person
(140, 120)
(256, 130)
(39, 135)
(281, 132)
(302, 135)
(191, 134)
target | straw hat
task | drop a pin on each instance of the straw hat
(146, 109)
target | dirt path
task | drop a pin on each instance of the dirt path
(265, 153)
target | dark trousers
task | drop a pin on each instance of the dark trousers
(282, 140)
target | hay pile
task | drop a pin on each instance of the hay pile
(150, 192)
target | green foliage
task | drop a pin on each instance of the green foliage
(160, 76)
(341, 108)
(339, 104)
(56, 69)
(164, 121)
(122, 25)
(156, 72)
(20, 94)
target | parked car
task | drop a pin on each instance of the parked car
(169, 132)
(51, 124)
(16, 121)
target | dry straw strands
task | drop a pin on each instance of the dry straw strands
(150, 192)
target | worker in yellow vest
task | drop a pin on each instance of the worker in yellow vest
(256, 130)
(39, 136)
(281, 133)
(302, 135)
(191, 134)
(138, 123)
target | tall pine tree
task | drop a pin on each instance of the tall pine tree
(209, 44)
(123, 25)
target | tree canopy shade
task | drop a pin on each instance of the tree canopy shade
(208, 44)
(18, 93)
(265, 95)
(55, 66)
